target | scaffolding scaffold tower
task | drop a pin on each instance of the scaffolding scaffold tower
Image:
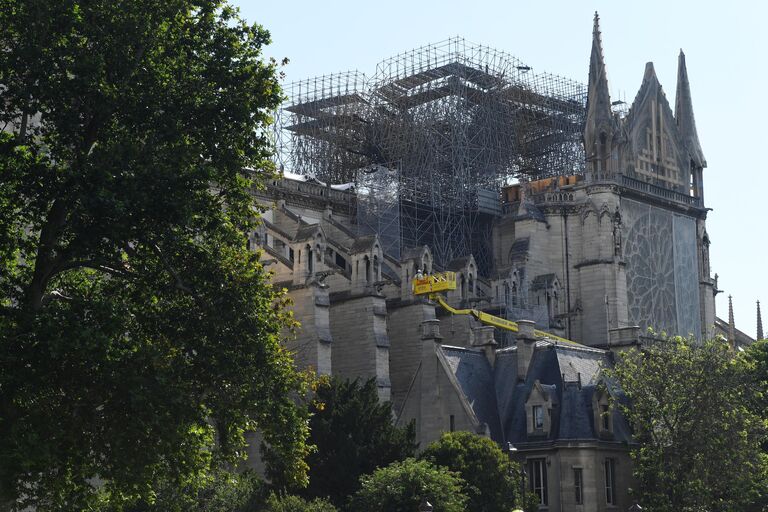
(429, 140)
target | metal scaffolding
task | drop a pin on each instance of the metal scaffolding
(431, 137)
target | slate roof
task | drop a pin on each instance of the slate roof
(529, 210)
(569, 374)
(362, 244)
(306, 232)
(459, 263)
(411, 253)
(519, 248)
(475, 376)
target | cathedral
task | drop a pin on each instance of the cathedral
(579, 218)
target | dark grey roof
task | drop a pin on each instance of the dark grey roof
(519, 248)
(530, 211)
(558, 368)
(459, 263)
(568, 374)
(475, 376)
(580, 364)
(362, 244)
(306, 232)
(411, 253)
(542, 282)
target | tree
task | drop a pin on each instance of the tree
(223, 491)
(753, 367)
(401, 486)
(353, 434)
(139, 338)
(296, 504)
(697, 444)
(492, 480)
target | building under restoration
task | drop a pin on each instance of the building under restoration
(430, 139)
(547, 202)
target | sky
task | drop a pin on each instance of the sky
(725, 44)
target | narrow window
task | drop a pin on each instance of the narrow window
(578, 484)
(452, 423)
(537, 479)
(606, 417)
(610, 481)
(538, 417)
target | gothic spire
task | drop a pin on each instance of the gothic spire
(686, 124)
(759, 323)
(598, 97)
(731, 325)
(599, 116)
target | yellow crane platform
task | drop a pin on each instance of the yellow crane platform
(434, 284)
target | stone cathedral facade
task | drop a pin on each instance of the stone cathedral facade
(598, 258)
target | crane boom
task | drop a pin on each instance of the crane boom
(432, 285)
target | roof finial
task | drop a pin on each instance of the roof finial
(731, 324)
(759, 323)
(686, 123)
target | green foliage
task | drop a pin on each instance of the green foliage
(753, 365)
(697, 441)
(296, 504)
(401, 486)
(223, 491)
(492, 481)
(353, 434)
(139, 339)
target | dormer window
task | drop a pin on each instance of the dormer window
(538, 409)
(603, 414)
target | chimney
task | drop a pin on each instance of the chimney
(483, 338)
(526, 342)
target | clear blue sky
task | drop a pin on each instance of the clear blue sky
(725, 46)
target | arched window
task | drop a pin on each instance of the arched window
(463, 286)
(375, 268)
(367, 269)
(506, 293)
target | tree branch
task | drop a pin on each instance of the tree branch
(95, 265)
(45, 261)
(179, 282)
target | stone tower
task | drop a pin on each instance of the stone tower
(650, 164)
(625, 244)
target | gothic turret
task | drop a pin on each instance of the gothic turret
(759, 323)
(600, 127)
